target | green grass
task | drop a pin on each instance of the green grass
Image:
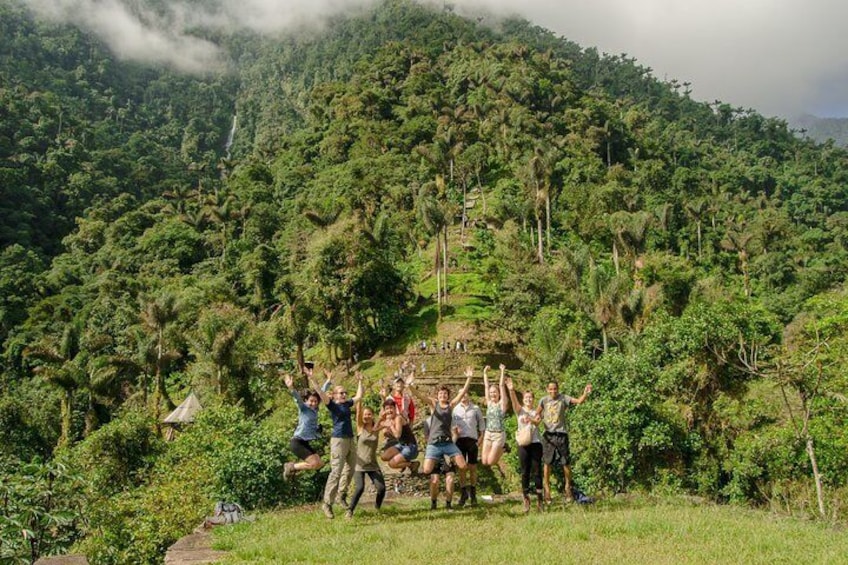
(629, 531)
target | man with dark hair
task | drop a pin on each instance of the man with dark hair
(469, 425)
(555, 447)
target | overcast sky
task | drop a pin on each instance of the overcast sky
(780, 57)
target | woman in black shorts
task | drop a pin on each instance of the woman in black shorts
(306, 432)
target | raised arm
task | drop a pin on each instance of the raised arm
(413, 390)
(511, 388)
(360, 425)
(289, 380)
(360, 391)
(586, 392)
(486, 384)
(504, 399)
(469, 372)
(325, 398)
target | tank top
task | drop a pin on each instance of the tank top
(440, 426)
(494, 417)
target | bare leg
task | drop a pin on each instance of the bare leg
(546, 481)
(311, 463)
(566, 471)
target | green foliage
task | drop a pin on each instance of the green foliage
(118, 456)
(621, 435)
(40, 507)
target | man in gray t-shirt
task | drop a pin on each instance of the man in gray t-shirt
(555, 447)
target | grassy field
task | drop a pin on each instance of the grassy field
(635, 530)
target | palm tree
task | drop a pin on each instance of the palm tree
(62, 366)
(156, 315)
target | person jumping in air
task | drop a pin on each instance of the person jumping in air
(497, 405)
(469, 425)
(439, 441)
(342, 448)
(305, 432)
(367, 439)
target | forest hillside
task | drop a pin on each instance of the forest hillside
(403, 175)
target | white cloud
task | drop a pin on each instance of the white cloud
(780, 57)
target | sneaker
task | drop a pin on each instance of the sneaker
(463, 497)
(448, 506)
(413, 467)
(433, 504)
(328, 510)
(344, 503)
(349, 514)
(288, 471)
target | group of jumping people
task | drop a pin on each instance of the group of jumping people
(458, 437)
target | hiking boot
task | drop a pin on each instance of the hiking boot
(433, 504)
(349, 514)
(344, 503)
(288, 471)
(473, 495)
(328, 511)
(526, 504)
(463, 497)
(448, 506)
(413, 467)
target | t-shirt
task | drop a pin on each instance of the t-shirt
(366, 451)
(553, 413)
(405, 406)
(342, 424)
(307, 420)
(469, 420)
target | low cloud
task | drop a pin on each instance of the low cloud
(780, 57)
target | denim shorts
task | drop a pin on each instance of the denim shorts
(408, 450)
(440, 450)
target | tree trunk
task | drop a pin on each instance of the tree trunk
(699, 239)
(811, 453)
(540, 229)
(445, 264)
(615, 259)
(65, 437)
(548, 218)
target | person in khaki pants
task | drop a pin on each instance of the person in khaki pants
(342, 447)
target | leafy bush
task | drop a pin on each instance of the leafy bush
(39, 508)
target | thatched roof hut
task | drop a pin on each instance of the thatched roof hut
(182, 414)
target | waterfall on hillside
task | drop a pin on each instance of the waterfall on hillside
(231, 136)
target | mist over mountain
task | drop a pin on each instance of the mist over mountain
(823, 129)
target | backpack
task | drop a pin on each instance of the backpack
(230, 511)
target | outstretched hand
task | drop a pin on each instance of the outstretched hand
(289, 380)
(469, 371)
(509, 385)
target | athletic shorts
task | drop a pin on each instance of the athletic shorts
(468, 447)
(440, 450)
(555, 449)
(301, 448)
(497, 439)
